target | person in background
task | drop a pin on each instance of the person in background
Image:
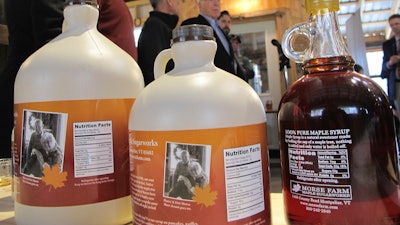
(244, 63)
(225, 21)
(209, 11)
(156, 36)
(116, 23)
(391, 58)
(33, 23)
(391, 68)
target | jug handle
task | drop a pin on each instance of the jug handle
(161, 62)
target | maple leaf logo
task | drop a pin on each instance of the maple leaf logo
(296, 188)
(204, 196)
(53, 177)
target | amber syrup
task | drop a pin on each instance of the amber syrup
(338, 148)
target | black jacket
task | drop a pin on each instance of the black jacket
(222, 59)
(31, 24)
(156, 36)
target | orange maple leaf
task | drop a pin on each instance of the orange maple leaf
(204, 196)
(53, 177)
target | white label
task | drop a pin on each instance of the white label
(337, 192)
(244, 182)
(319, 159)
(93, 148)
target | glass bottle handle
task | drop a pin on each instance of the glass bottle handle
(296, 42)
(161, 62)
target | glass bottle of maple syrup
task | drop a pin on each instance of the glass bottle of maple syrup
(338, 142)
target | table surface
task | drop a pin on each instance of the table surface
(7, 207)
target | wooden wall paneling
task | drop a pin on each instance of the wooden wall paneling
(236, 7)
(187, 9)
(139, 10)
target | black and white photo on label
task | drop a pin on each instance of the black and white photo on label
(186, 166)
(43, 140)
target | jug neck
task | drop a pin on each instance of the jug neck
(193, 54)
(80, 16)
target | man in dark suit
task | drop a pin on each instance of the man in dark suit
(224, 58)
(391, 60)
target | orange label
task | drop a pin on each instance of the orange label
(217, 176)
(72, 152)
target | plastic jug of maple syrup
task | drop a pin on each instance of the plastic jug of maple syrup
(198, 146)
(72, 103)
(338, 142)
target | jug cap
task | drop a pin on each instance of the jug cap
(194, 32)
(81, 2)
(312, 6)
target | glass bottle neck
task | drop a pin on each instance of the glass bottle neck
(327, 43)
(327, 40)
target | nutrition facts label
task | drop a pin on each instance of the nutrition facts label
(244, 182)
(319, 163)
(93, 148)
(319, 159)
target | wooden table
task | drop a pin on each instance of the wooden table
(7, 207)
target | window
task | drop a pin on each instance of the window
(136, 33)
(255, 37)
(374, 59)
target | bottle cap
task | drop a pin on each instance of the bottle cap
(312, 6)
(193, 32)
(81, 2)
